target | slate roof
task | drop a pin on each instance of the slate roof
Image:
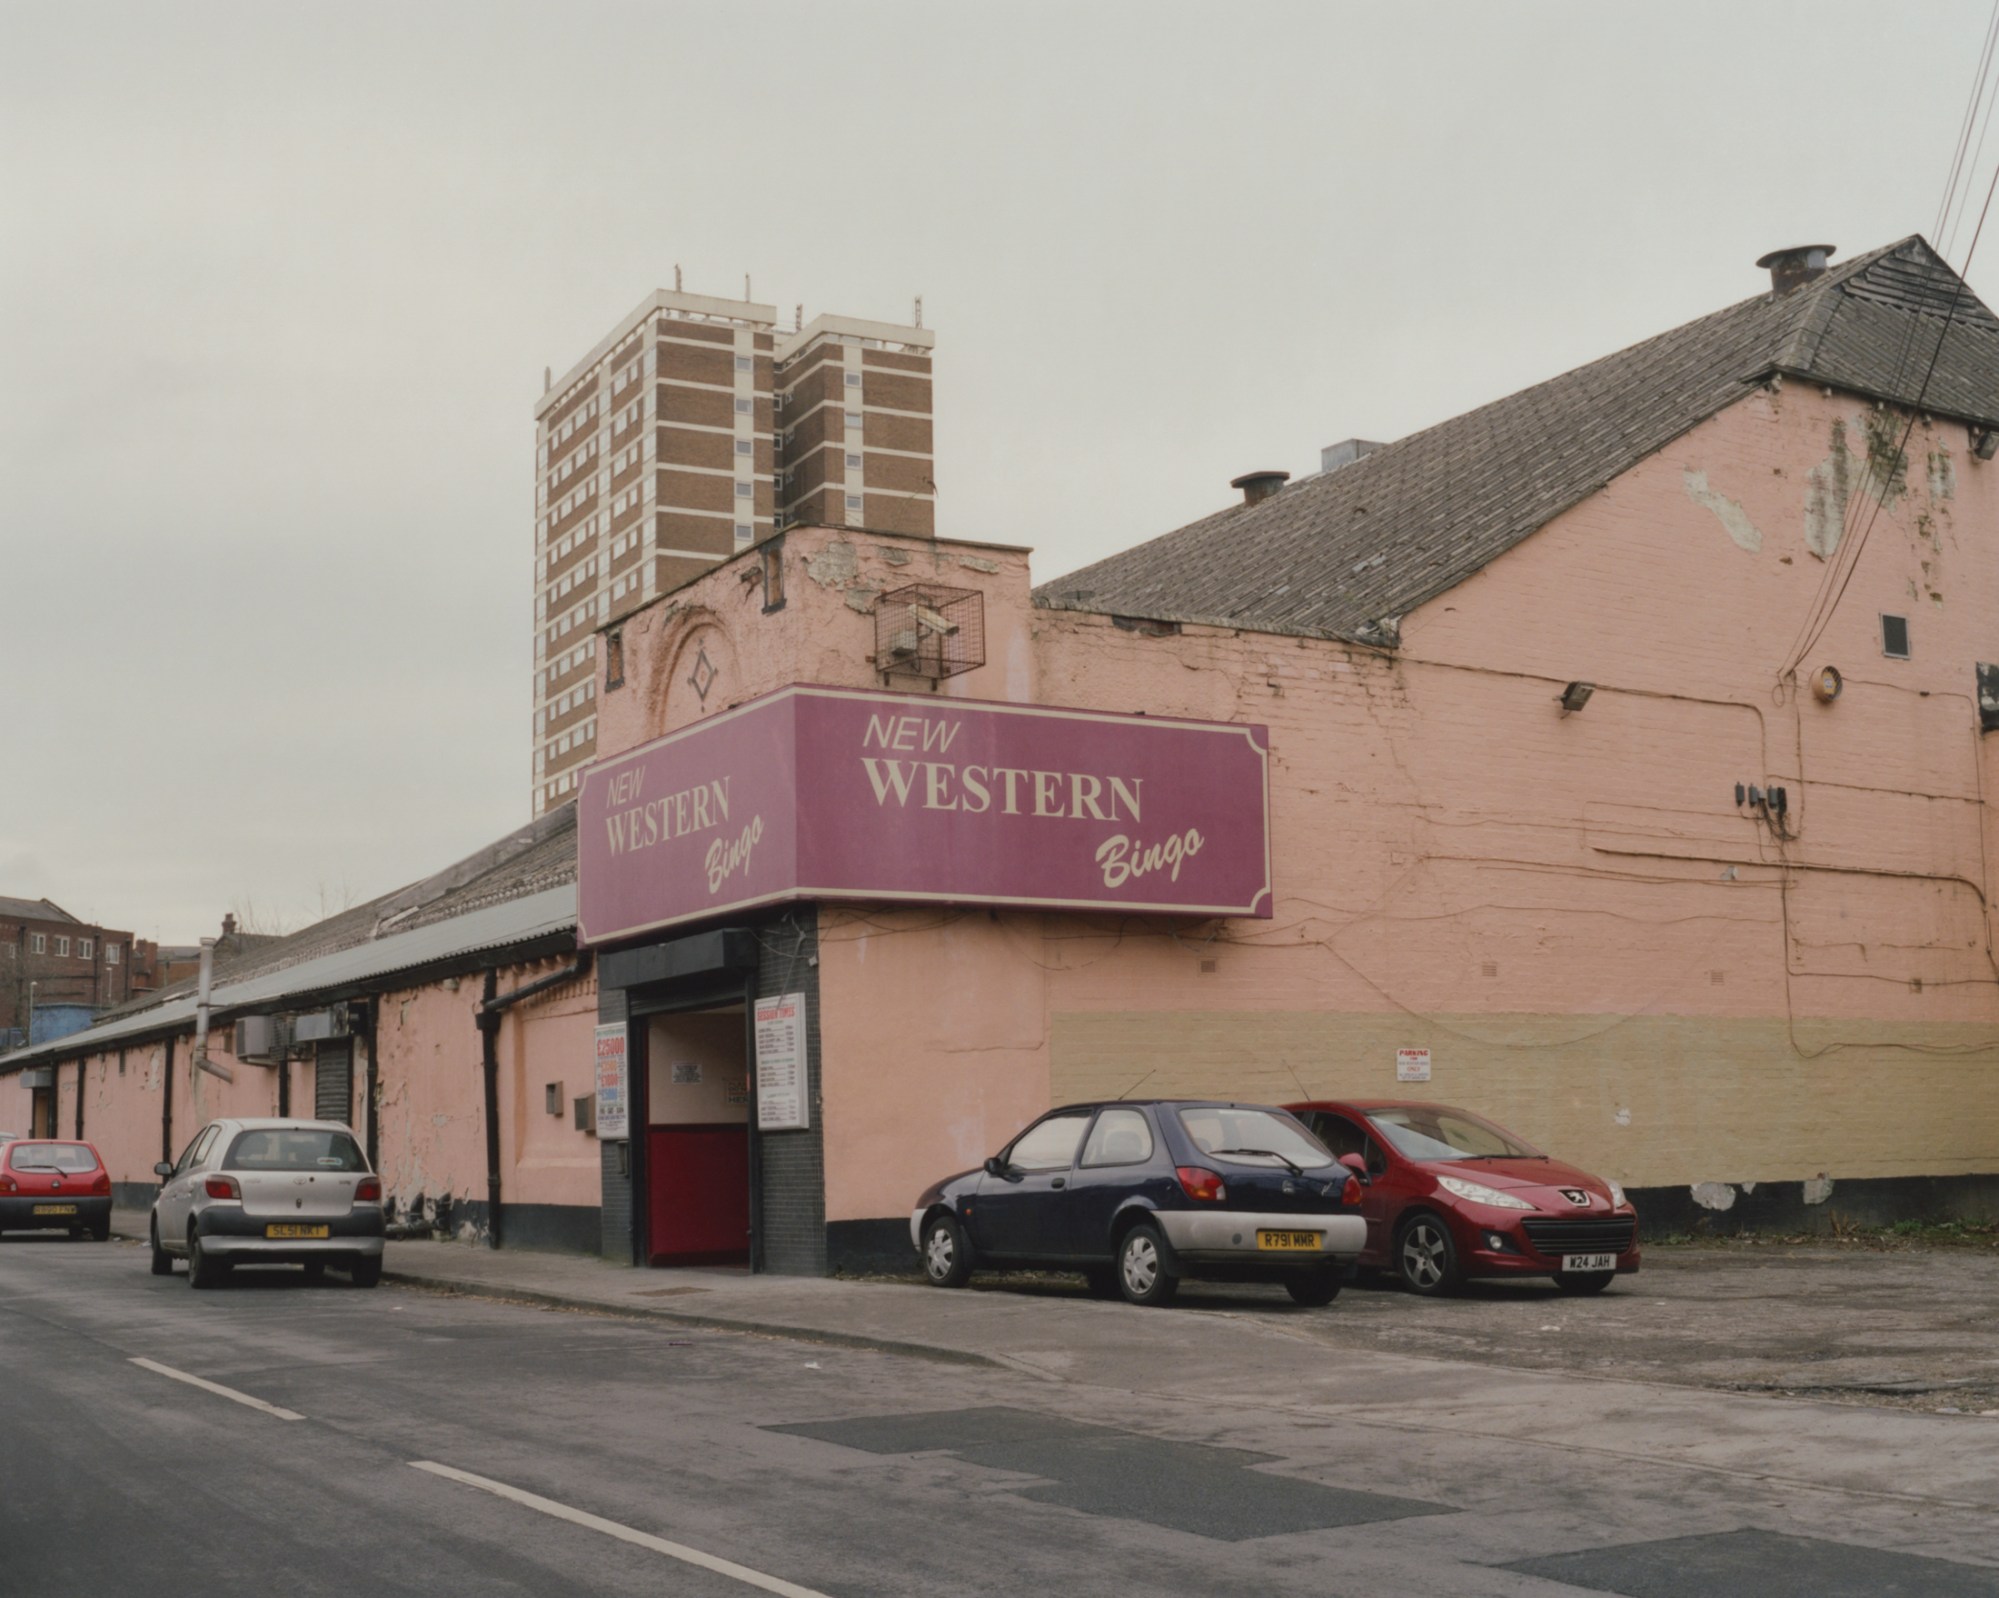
(33, 910)
(1347, 554)
(521, 887)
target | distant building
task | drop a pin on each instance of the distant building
(52, 962)
(692, 431)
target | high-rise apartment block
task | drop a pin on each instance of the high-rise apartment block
(691, 431)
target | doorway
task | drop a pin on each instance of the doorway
(697, 1138)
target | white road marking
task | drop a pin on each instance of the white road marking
(610, 1528)
(218, 1389)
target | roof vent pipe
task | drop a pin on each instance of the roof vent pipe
(1259, 486)
(201, 1059)
(1795, 267)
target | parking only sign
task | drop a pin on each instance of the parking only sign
(1412, 1065)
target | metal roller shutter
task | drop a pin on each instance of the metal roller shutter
(333, 1083)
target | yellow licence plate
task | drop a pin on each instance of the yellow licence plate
(297, 1231)
(1293, 1240)
(55, 1209)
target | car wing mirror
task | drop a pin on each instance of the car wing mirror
(1357, 1165)
(163, 1169)
(996, 1166)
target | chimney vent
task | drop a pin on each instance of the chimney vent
(1259, 486)
(1792, 268)
(1346, 452)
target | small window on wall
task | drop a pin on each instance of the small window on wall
(1895, 637)
(84, 947)
(39, 943)
(62, 947)
(111, 954)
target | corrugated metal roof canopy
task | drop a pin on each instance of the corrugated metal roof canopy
(492, 927)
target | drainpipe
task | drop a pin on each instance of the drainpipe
(493, 1005)
(207, 978)
(167, 1100)
(374, 1120)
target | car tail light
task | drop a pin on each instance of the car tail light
(1350, 1194)
(1198, 1182)
(102, 1185)
(9, 1185)
(222, 1187)
(368, 1190)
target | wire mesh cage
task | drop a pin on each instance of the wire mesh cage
(929, 630)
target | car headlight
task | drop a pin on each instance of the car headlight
(1617, 1198)
(1479, 1193)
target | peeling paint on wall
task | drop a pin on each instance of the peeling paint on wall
(836, 564)
(1733, 518)
(1713, 1195)
(1818, 1189)
(1827, 487)
(1943, 475)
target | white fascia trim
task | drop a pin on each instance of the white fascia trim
(763, 317)
(888, 332)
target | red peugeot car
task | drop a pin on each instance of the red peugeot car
(53, 1184)
(1451, 1196)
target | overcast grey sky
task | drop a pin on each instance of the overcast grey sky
(278, 282)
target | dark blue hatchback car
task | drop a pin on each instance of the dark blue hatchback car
(1139, 1194)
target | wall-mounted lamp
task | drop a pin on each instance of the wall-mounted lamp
(1575, 696)
(1985, 442)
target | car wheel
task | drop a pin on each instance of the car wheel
(314, 1270)
(101, 1233)
(1317, 1287)
(163, 1262)
(1584, 1281)
(1101, 1280)
(1425, 1257)
(947, 1261)
(203, 1270)
(367, 1271)
(1142, 1276)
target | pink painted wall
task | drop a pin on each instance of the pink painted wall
(1570, 911)
(432, 1107)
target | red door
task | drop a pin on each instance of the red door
(699, 1177)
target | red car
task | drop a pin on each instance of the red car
(47, 1184)
(1450, 1196)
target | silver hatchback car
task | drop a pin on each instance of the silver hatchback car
(269, 1192)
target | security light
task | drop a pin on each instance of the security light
(1575, 696)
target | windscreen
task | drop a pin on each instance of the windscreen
(1252, 1136)
(1431, 1132)
(50, 1157)
(294, 1149)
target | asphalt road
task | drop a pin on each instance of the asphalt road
(396, 1441)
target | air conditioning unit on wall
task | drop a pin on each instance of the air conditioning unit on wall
(258, 1040)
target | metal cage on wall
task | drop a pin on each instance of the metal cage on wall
(929, 630)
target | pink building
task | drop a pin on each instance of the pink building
(1620, 743)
